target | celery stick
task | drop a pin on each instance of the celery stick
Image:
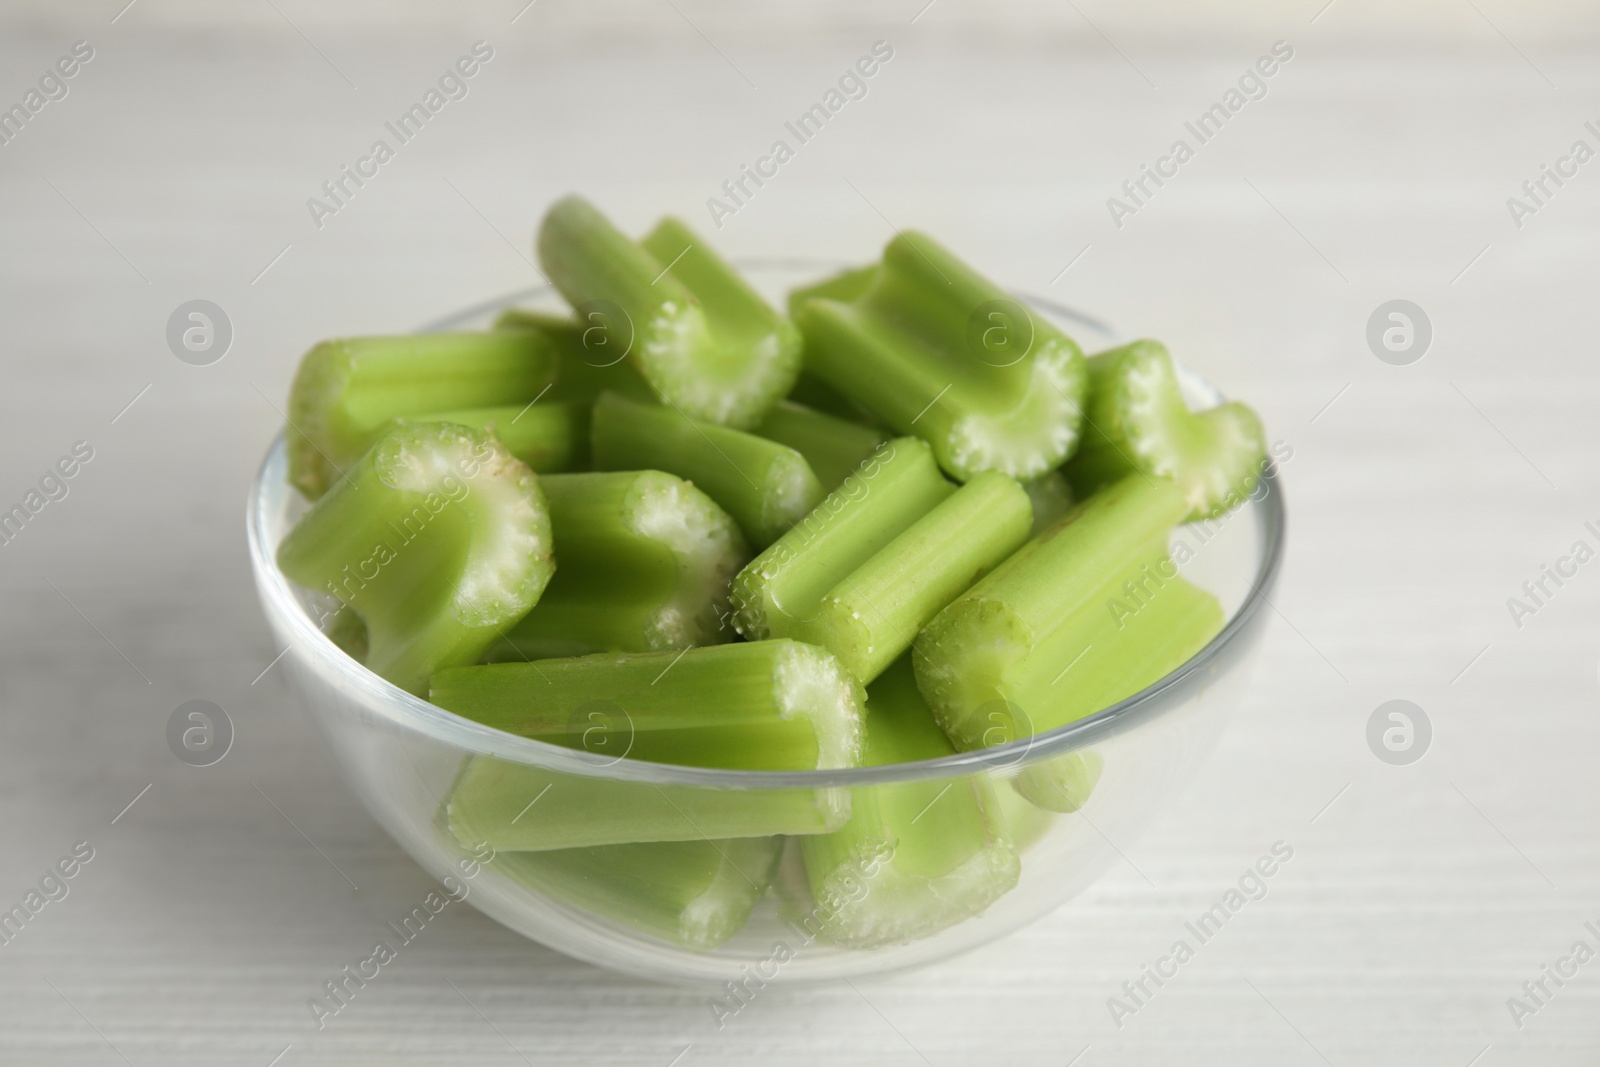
(1088, 612)
(644, 562)
(767, 705)
(932, 348)
(519, 808)
(1138, 420)
(764, 485)
(698, 334)
(347, 392)
(915, 857)
(345, 629)
(818, 395)
(1026, 822)
(894, 488)
(833, 446)
(1064, 783)
(871, 616)
(696, 894)
(1052, 498)
(587, 359)
(550, 436)
(437, 537)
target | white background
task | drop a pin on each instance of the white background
(1421, 497)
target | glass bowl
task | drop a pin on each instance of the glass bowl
(403, 757)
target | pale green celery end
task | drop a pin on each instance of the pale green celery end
(834, 447)
(764, 485)
(645, 560)
(514, 807)
(346, 392)
(1026, 822)
(847, 285)
(439, 539)
(588, 258)
(695, 894)
(871, 616)
(785, 583)
(1060, 784)
(774, 705)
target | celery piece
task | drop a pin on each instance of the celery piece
(346, 393)
(695, 894)
(833, 446)
(1137, 420)
(1064, 783)
(915, 857)
(765, 705)
(1026, 822)
(588, 362)
(549, 436)
(698, 334)
(896, 486)
(1052, 498)
(644, 561)
(932, 348)
(518, 808)
(764, 485)
(345, 629)
(437, 537)
(871, 616)
(1089, 612)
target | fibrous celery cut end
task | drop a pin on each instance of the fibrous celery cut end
(1032, 437)
(809, 683)
(708, 546)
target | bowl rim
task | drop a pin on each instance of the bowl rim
(408, 711)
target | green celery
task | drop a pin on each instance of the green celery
(1085, 614)
(518, 808)
(896, 486)
(698, 334)
(1052, 498)
(1138, 421)
(932, 348)
(438, 538)
(550, 436)
(644, 561)
(695, 894)
(588, 362)
(765, 705)
(346, 393)
(818, 395)
(833, 446)
(915, 857)
(764, 485)
(871, 616)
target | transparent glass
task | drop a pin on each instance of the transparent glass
(404, 757)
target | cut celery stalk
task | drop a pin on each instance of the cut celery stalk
(644, 561)
(1052, 498)
(1087, 613)
(550, 436)
(834, 447)
(915, 857)
(437, 537)
(1064, 783)
(933, 348)
(1026, 822)
(764, 485)
(871, 616)
(1137, 420)
(766, 705)
(346, 393)
(818, 395)
(518, 808)
(698, 334)
(588, 362)
(894, 488)
(345, 629)
(695, 894)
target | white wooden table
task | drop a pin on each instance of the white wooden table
(1420, 898)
